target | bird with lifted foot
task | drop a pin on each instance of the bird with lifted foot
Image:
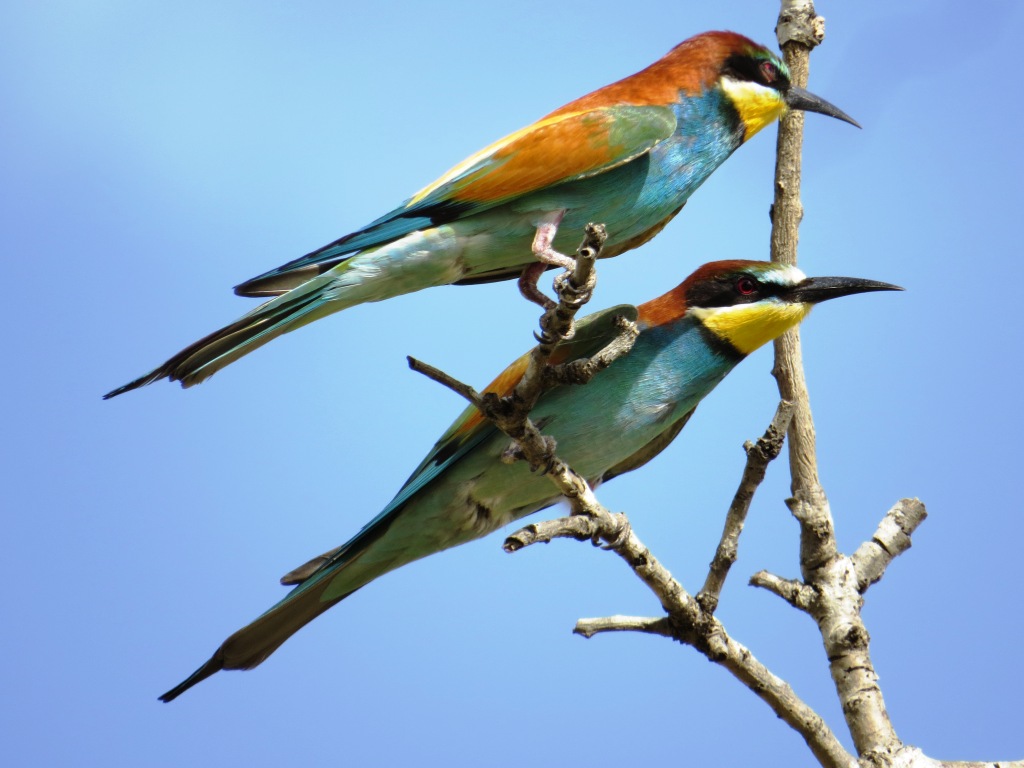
(629, 155)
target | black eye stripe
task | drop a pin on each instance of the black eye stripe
(725, 291)
(761, 71)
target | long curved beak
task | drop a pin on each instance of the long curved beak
(814, 290)
(798, 98)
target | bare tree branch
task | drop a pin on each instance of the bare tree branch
(582, 371)
(579, 527)
(652, 626)
(794, 592)
(890, 540)
(574, 290)
(788, 706)
(687, 621)
(809, 504)
(456, 386)
(837, 602)
(912, 757)
(759, 455)
(832, 584)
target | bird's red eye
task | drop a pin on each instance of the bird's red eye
(769, 71)
(746, 285)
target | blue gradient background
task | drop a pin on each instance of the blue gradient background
(152, 156)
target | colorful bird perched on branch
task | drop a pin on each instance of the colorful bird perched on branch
(628, 155)
(690, 338)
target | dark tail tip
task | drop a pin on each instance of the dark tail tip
(214, 665)
(139, 382)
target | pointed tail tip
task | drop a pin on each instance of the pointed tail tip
(142, 381)
(174, 693)
(165, 372)
(212, 667)
(121, 390)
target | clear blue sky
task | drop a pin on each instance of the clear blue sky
(151, 157)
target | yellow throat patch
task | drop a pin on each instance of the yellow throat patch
(749, 326)
(758, 106)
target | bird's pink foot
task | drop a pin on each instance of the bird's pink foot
(528, 285)
(546, 257)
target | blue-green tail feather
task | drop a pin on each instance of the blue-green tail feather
(388, 228)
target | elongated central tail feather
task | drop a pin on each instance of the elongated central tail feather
(321, 583)
(202, 359)
(253, 643)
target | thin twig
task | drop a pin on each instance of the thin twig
(649, 625)
(579, 372)
(442, 378)
(579, 527)
(759, 456)
(794, 592)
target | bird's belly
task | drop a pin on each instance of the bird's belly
(483, 496)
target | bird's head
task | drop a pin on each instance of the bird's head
(746, 304)
(752, 79)
(756, 81)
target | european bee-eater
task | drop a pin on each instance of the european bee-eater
(628, 155)
(689, 339)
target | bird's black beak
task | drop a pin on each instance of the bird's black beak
(798, 98)
(814, 290)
